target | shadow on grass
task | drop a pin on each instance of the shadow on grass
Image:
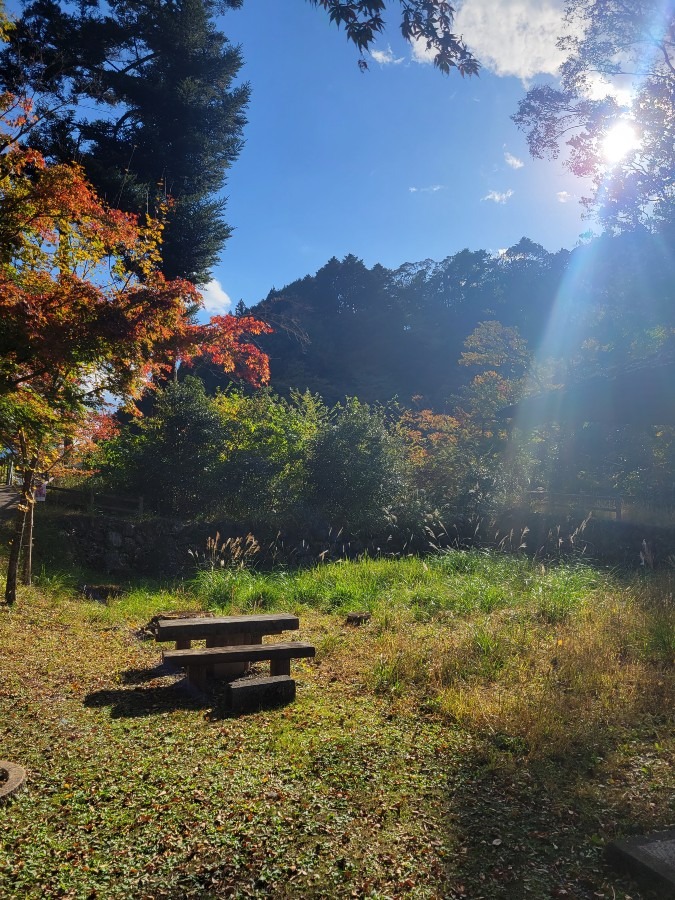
(137, 701)
(539, 828)
(140, 676)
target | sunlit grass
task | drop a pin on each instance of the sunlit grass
(550, 655)
(457, 582)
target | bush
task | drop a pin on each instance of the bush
(356, 468)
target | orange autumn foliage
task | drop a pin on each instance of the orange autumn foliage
(85, 312)
(80, 291)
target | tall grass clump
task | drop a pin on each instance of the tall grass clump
(231, 591)
(455, 583)
(576, 655)
(656, 638)
(483, 581)
(365, 584)
(559, 591)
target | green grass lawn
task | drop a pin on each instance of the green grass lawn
(491, 728)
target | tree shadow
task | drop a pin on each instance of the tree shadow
(538, 828)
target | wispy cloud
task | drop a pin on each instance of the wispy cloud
(216, 301)
(512, 160)
(514, 38)
(563, 196)
(386, 57)
(430, 189)
(499, 196)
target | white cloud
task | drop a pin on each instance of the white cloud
(513, 37)
(620, 87)
(431, 189)
(386, 57)
(216, 301)
(518, 38)
(499, 197)
(420, 52)
(563, 196)
(512, 160)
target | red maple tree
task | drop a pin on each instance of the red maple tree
(85, 313)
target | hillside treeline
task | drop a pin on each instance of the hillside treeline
(380, 333)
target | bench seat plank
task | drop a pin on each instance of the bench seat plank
(206, 656)
(194, 629)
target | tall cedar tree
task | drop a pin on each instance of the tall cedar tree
(167, 119)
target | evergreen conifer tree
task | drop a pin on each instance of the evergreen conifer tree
(166, 118)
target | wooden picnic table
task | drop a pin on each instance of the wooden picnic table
(226, 629)
(232, 644)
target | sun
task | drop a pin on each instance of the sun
(618, 142)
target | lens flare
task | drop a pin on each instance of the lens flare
(619, 142)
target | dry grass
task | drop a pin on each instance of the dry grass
(552, 656)
(553, 688)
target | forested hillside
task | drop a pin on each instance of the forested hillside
(380, 333)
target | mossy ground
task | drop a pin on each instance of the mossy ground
(485, 735)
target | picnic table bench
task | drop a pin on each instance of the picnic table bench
(232, 644)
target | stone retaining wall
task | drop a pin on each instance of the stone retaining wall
(161, 547)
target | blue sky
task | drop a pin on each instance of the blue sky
(395, 165)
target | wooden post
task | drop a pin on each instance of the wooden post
(17, 537)
(197, 676)
(140, 507)
(232, 640)
(619, 503)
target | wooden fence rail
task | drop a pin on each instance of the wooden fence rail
(585, 502)
(92, 501)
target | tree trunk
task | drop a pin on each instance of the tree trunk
(15, 545)
(28, 546)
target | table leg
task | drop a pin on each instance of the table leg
(280, 667)
(196, 676)
(233, 640)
